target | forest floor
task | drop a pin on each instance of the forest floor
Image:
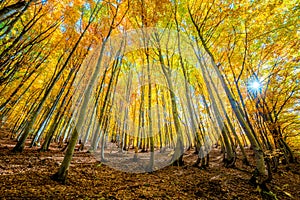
(27, 176)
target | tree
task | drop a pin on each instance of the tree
(61, 175)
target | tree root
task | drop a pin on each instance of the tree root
(60, 178)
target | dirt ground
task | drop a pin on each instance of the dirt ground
(27, 176)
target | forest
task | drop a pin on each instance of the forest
(149, 99)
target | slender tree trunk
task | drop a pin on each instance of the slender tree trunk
(61, 175)
(177, 158)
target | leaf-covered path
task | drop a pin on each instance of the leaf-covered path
(27, 176)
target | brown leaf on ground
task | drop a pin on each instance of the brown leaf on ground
(27, 176)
